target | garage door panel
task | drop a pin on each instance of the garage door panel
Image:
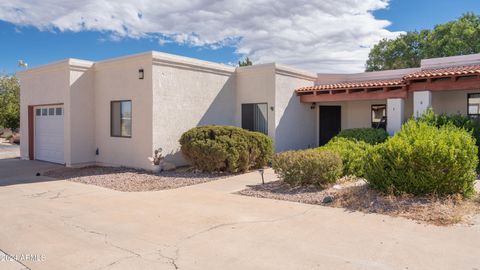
(49, 136)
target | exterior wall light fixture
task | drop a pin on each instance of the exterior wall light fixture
(141, 74)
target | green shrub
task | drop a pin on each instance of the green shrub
(458, 120)
(422, 159)
(352, 152)
(226, 148)
(368, 135)
(308, 167)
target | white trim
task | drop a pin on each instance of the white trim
(193, 66)
(293, 72)
(166, 59)
(280, 70)
(69, 63)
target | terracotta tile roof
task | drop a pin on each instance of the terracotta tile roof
(445, 71)
(422, 74)
(353, 85)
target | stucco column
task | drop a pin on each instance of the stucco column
(422, 100)
(395, 114)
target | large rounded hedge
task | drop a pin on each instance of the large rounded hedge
(368, 135)
(423, 159)
(226, 148)
(308, 167)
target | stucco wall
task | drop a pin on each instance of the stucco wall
(294, 121)
(451, 102)
(82, 117)
(256, 84)
(186, 95)
(43, 85)
(118, 80)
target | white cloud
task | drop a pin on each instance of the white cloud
(317, 35)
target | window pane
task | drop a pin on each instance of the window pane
(379, 116)
(247, 116)
(473, 109)
(115, 119)
(38, 112)
(126, 123)
(254, 117)
(126, 127)
(58, 111)
(51, 111)
(44, 111)
(474, 104)
(260, 118)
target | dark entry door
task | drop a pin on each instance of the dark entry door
(330, 122)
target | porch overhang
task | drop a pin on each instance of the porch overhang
(365, 90)
(445, 79)
(440, 79)
(349, 96)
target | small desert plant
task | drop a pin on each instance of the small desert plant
(157, 156)
(308, 167)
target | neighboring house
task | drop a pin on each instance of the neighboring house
(117, 112)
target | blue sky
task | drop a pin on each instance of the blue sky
(409, 15)
(40, 47)
(94, 40)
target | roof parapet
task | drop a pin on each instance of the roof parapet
(462, 60)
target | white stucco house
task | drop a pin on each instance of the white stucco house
(117, 112)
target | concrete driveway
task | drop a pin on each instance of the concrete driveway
(75, 226)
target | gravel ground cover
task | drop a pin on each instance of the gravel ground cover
(133, 180)
(355, 195)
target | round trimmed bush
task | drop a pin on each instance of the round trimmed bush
(368, 135)
(422, 159)
(308, 167)
(352, 152)
(226, 148)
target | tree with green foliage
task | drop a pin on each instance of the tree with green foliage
(9, 102)
(245, 62)
(459, 37)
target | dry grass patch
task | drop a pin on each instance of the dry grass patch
(434, 210)
(355, 195)
(133, 180)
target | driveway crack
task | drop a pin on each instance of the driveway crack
(105, 238)
(174, 260)
(247, 222)
(171, 260)
(38, 194)
(115, 262)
